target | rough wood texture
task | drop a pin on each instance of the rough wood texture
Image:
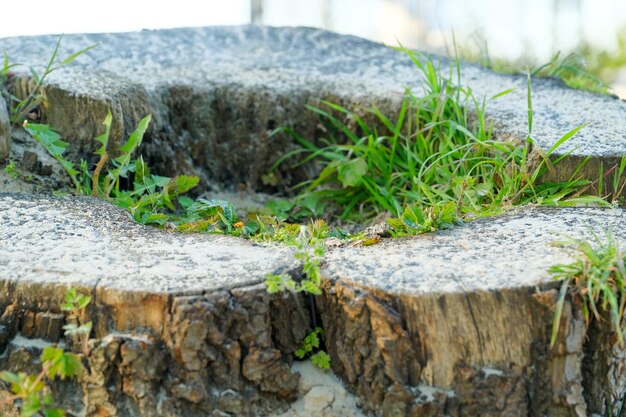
(458, 323)
(455, 323)
(5, 130)
(216, 93)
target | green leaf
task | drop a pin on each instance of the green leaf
(321, 359)
(300, 353)
(10, 377)
(311, 341)
(135, 138)
(154, 218)
(556, 322)
(310, 287)
(50, 139)
(278, 283)
(31, 405)
(83, 301)
(75, 55)
(60, 363)
(207, 208)
(142, 172)
(185, 202)
(351, 172)
(70, 295)
(53, 412)
(51, 354)
(565, 138)
(34, 75)
(104, 138)
(185, 183)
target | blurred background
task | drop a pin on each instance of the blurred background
(505, 34)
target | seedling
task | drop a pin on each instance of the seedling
(75, 304)
(31, 95)
(310, 348)
(310, 253)
(11, 170)
(32, 391)
(152, 198)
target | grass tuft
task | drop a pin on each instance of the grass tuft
(438, 152)
(597, 279)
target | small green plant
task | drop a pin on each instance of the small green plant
(310, 253)
(152, 198)
(572, 68)
(310, 348)
(31, 391)
(416, 220)
(11, 170)
(75, 304)
(29, 91)
(597, 279)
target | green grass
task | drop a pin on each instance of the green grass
(30, 95)
(433, 164)
(597, 279)
(572, 68)
(437, 155)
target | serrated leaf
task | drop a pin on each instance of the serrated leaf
(206, 208)
(310, 287)
(321, 359)
(185, 183)
(60, 363)
(135, 138)
(300, 353)
(350, 173)
(311, 341)
(51, 354)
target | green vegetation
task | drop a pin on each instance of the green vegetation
(12, 170)
(310, 253)
(433, 164)
(310, 348)
(29, 90)
(596, 279)
(573, 69)
(437, 160)
(31, 391)
(152, 198)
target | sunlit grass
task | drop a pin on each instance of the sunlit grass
(438, 151)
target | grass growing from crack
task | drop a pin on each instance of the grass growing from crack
(434, 164)
(437, 160)
(597, 279)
